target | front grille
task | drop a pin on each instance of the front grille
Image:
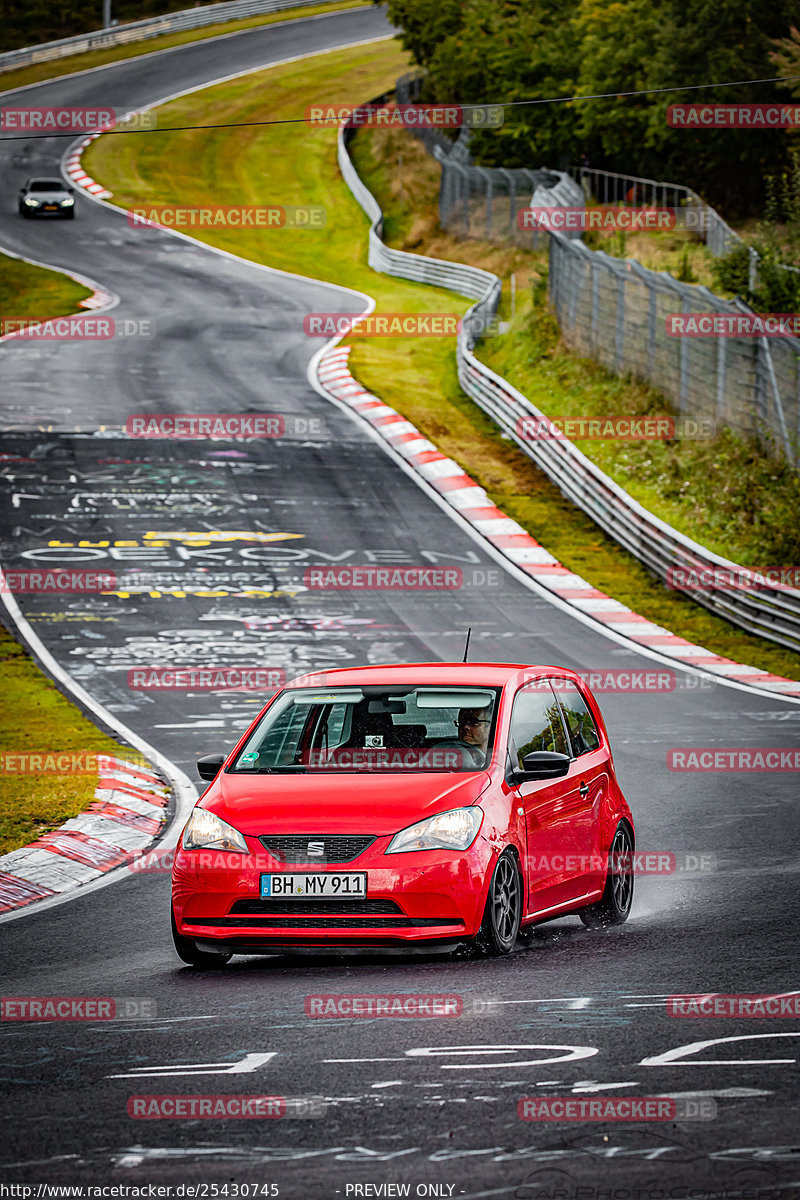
(334, 907)
(336, 848)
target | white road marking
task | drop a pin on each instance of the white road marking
(361, 1060)
(250, 1063)
(732, 1093)
(574, 1003)
(678, 1055)
(572, 1054)
(588, 1085)
(126, 1025)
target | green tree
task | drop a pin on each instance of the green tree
(425, 24)
(505, 50)
(618, 43)
(667, 45)
(536, 50)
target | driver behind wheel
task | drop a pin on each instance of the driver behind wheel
(473, 731)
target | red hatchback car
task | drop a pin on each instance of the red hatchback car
(426, 805)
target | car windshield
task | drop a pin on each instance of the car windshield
(46, 185)
(373, 728)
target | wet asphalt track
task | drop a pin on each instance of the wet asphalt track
(394, 1114)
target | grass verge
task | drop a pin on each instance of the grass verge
(37, 72)
(294, 164)
(724, 492)
(37, 718)
(677, 251)
(29, 291)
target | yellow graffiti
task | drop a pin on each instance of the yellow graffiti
(181, 594)
(222, 535)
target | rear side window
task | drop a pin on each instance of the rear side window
(580, 723)
(535, 723)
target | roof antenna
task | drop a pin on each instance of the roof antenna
(466, 647)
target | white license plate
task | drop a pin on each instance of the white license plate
(315, 885)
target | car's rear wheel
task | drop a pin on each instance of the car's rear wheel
(503, 912)
(188, 952)
(615, 904)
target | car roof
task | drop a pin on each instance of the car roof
(462, 674)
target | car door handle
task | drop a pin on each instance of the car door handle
(584, 789)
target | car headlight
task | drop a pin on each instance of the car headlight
(205, 831)
(67, 202)
(31, 202)
(454, 830)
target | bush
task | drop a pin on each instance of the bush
(776, 289)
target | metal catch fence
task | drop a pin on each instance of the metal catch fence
(770, 611)
(615, 310)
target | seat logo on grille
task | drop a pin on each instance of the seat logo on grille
(315, 849)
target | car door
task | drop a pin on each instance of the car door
(590, 772)
(553, 840)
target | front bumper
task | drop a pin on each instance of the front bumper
(49, 212)
(426, 897)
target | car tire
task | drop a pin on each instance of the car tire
(614, 906)
(188, 952)
(70, 215)
(503, 912)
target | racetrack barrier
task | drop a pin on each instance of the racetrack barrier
(772, 612)
(139, 31)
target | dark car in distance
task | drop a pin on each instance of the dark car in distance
(46, 198)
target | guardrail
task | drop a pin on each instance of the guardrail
(138, 31)
(613, 309)
(772, 612)
(456, 277)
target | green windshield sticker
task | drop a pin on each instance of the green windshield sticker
(250, 756)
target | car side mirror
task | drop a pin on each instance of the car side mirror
(543, 764)
(208, 767)
(71, 190)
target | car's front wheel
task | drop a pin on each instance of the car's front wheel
(503, 912)
(188, 952)
(615, 904)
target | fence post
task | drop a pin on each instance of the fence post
(619, 340)
(489, 197)
(574, 275)
(683, 378)
(512, 200)
(552, 275)
(444, 188)
(531, 177)
(777, 400)
(722, 362)
(752, 274)
(652, 316)
(465, 179)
